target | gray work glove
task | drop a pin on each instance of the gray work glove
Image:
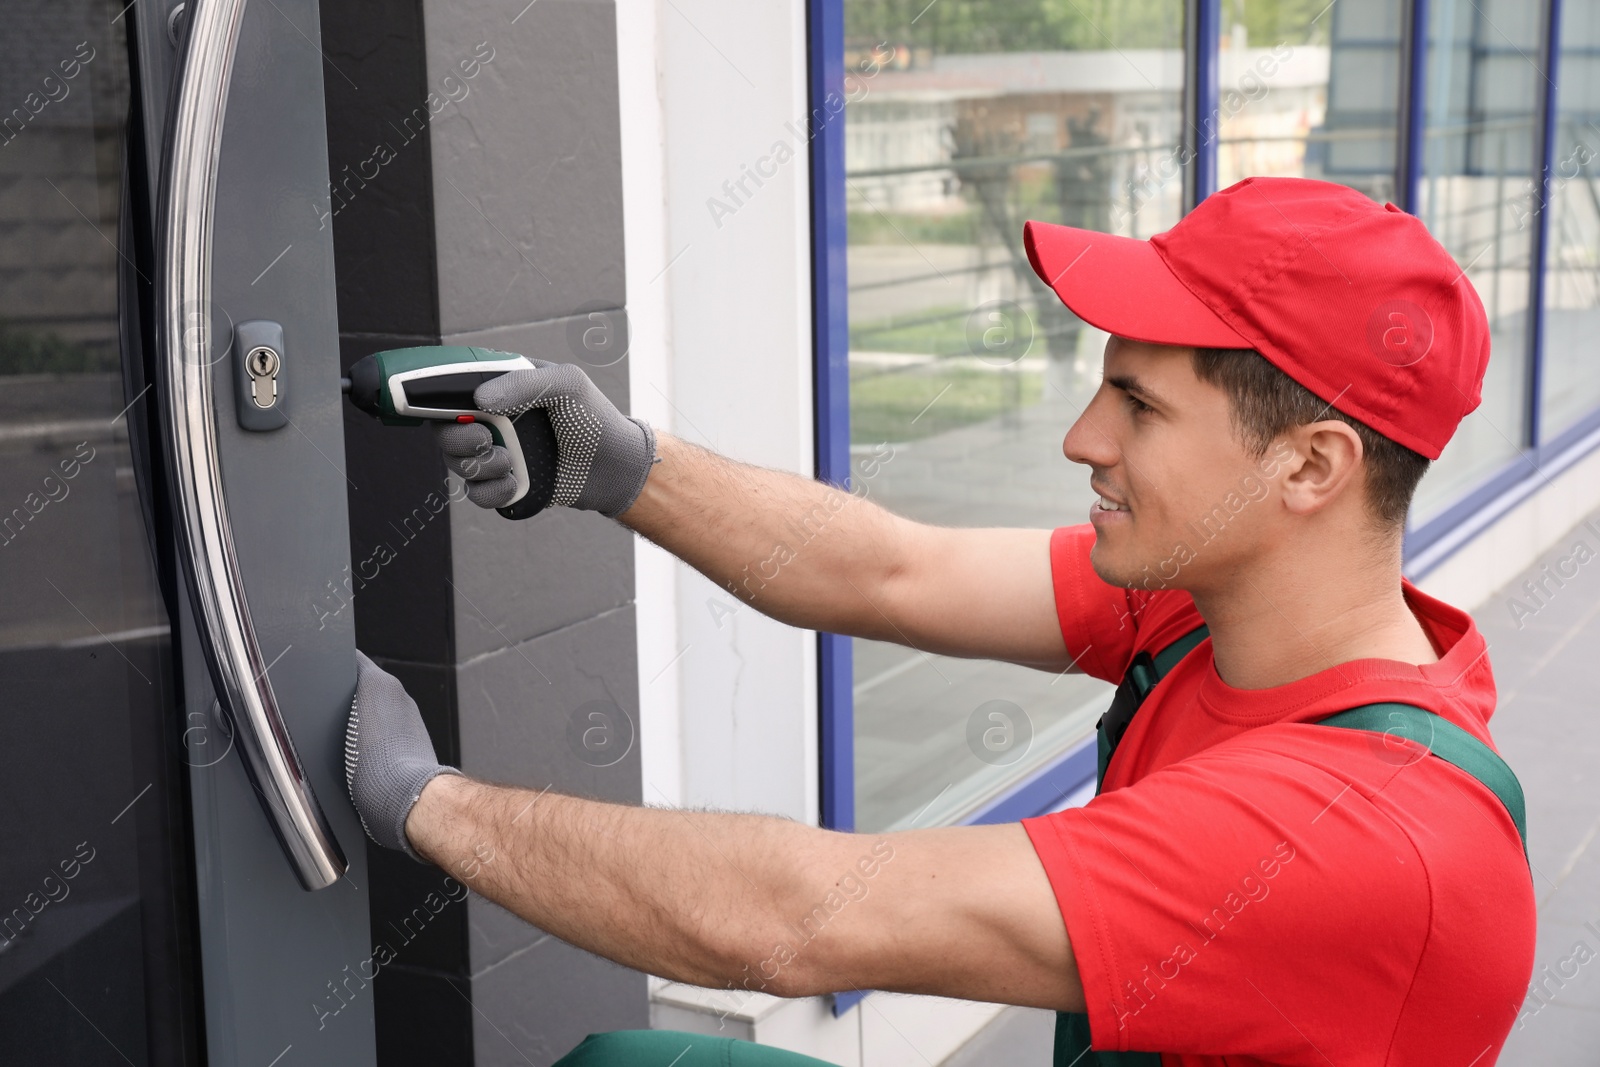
(388, 757)
(602, 455)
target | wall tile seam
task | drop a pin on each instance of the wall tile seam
(400, 335)
(478, 618)
(521, 950)
(400, 661)
(479, 657)
(426, 971)
(519, 324)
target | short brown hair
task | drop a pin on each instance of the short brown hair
(1266, 402)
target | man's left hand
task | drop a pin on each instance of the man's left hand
(388, 756)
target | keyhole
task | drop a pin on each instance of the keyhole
(263, 362)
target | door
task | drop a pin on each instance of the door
(182, 879)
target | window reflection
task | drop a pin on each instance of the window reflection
(1572, 263)
(1479, 151)
(1311, 91)
(966, 120)
(92, 880)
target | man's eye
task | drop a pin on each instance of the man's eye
(1139, 406)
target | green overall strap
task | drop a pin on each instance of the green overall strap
(1072, 1028)
(1141, 677)
(1450, 743)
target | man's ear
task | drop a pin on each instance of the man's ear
(1326, 463)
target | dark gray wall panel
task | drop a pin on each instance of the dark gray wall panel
(560, 567)
(532, 141)
(578, 994)
(381, 205)
(399, 539)
(516, 706)
(424, 1018)
(532, 577)
(538, 996)
(528, 183)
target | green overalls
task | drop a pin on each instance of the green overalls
(661, 1048)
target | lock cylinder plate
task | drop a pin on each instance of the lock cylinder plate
(258, 375)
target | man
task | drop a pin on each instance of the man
(1248, 887)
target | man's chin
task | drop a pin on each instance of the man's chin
(1124, 569)
(1111, 569)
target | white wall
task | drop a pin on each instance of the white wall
(733, 75)
(721, 356)
(644, 225)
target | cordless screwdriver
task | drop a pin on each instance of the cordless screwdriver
(434, 383)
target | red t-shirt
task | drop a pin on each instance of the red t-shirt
(1251, 890)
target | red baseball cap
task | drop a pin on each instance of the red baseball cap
(1352, 299)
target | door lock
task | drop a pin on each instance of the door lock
(262, 366)
(258, 375)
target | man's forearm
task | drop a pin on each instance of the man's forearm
(756, 903)
(802, 551)
(652, 888)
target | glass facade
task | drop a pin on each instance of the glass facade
(95, 949)
(968, 117)
(1571, 378)
(1480, 151)
(1311, 91)
(965, 122)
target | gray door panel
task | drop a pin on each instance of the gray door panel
(287, 973)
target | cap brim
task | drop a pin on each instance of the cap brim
(1122, 286)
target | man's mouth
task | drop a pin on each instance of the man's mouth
(1107, 504)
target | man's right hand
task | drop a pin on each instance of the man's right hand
(602, 456)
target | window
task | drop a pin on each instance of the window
(1480, 148)
(1571, 380)
(966, 119)
(1311, 91)
(98, 920)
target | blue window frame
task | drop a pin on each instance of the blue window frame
(1426, 544)
(830, 331)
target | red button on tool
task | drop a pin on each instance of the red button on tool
(466, 418)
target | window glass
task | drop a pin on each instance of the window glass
(94, 880)
(1571, 383)
(1479, 150)
(1310, 90)
(966, 118)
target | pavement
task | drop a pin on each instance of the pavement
(1545, 727)
(1544, 646)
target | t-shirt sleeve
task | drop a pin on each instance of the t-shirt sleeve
(1099, 621)
(1212, 905)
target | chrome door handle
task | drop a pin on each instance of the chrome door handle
(205, 533)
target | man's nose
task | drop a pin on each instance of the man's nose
(1089, 441)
